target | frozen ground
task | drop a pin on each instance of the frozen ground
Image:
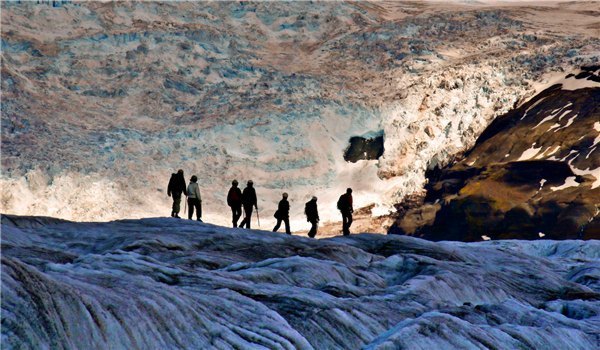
(102, 101)
(167, 283)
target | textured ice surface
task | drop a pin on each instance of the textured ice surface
(167, 283)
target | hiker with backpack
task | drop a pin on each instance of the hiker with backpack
(194, 199)
(234, 201)
(248, 201)
(344, 205)
(283, 214)
(312, 216)
(175, 188)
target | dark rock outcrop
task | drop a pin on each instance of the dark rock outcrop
(531, 174)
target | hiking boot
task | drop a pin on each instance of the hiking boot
(199, 220)
(177, 216)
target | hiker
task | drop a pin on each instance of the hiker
(312, 216)
(248, 201)
(194, 199)
(344, 205)
(234, 200)
(283, 214)
(175, 189)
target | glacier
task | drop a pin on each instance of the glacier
(102, 101)
(164, 283)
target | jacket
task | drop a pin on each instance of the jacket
(345, 203)
(234, 197)
(283, 209)
(193, 191)
(311, 211)
(249, 197)
(176, 185)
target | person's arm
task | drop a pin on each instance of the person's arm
(198, 193)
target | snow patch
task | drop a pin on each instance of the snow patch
(529, 153)
(569, 182)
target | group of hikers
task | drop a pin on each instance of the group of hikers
(238, 199)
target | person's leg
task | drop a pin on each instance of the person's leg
(277, 225)
(349, 222)
(176, 205)
(233, 220)
(237, 215)
(249, 217)
(345, 228)
(287, 226)
(190, 208)
(313, 230)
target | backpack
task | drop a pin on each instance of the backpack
(234, 197)
(340, 203)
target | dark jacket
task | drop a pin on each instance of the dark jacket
(283, 209)
(234, 197)
(249, 197)
(345, 203)
(176, 185)
(311, 211)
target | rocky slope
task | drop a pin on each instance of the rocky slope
(534, 172)
(168, 283)
(102, 101)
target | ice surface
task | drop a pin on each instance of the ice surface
(168, 283)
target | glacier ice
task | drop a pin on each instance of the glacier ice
(168, 283)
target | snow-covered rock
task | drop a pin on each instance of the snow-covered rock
(168, 283)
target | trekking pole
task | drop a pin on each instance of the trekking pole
(257, 217)
(184, 206)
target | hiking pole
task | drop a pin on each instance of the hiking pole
(184, 206)
(257, 217)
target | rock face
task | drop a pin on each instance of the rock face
(168, 283)
(102, 101)
(534, 172)
(362, 148)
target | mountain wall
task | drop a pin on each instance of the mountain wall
(101, 102)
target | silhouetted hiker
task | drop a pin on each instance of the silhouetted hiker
(234, 200)
(312, 216)
(194, 199)
(283, 214)
(344, 204)
(175, 189)
(248, 201)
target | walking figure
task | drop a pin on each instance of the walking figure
(312, 216)
(248, 201)
(194, 199)
(234, 201)
(344, 205)
(175, 188)
(283, 214)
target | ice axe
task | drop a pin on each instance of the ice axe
(257, 217)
